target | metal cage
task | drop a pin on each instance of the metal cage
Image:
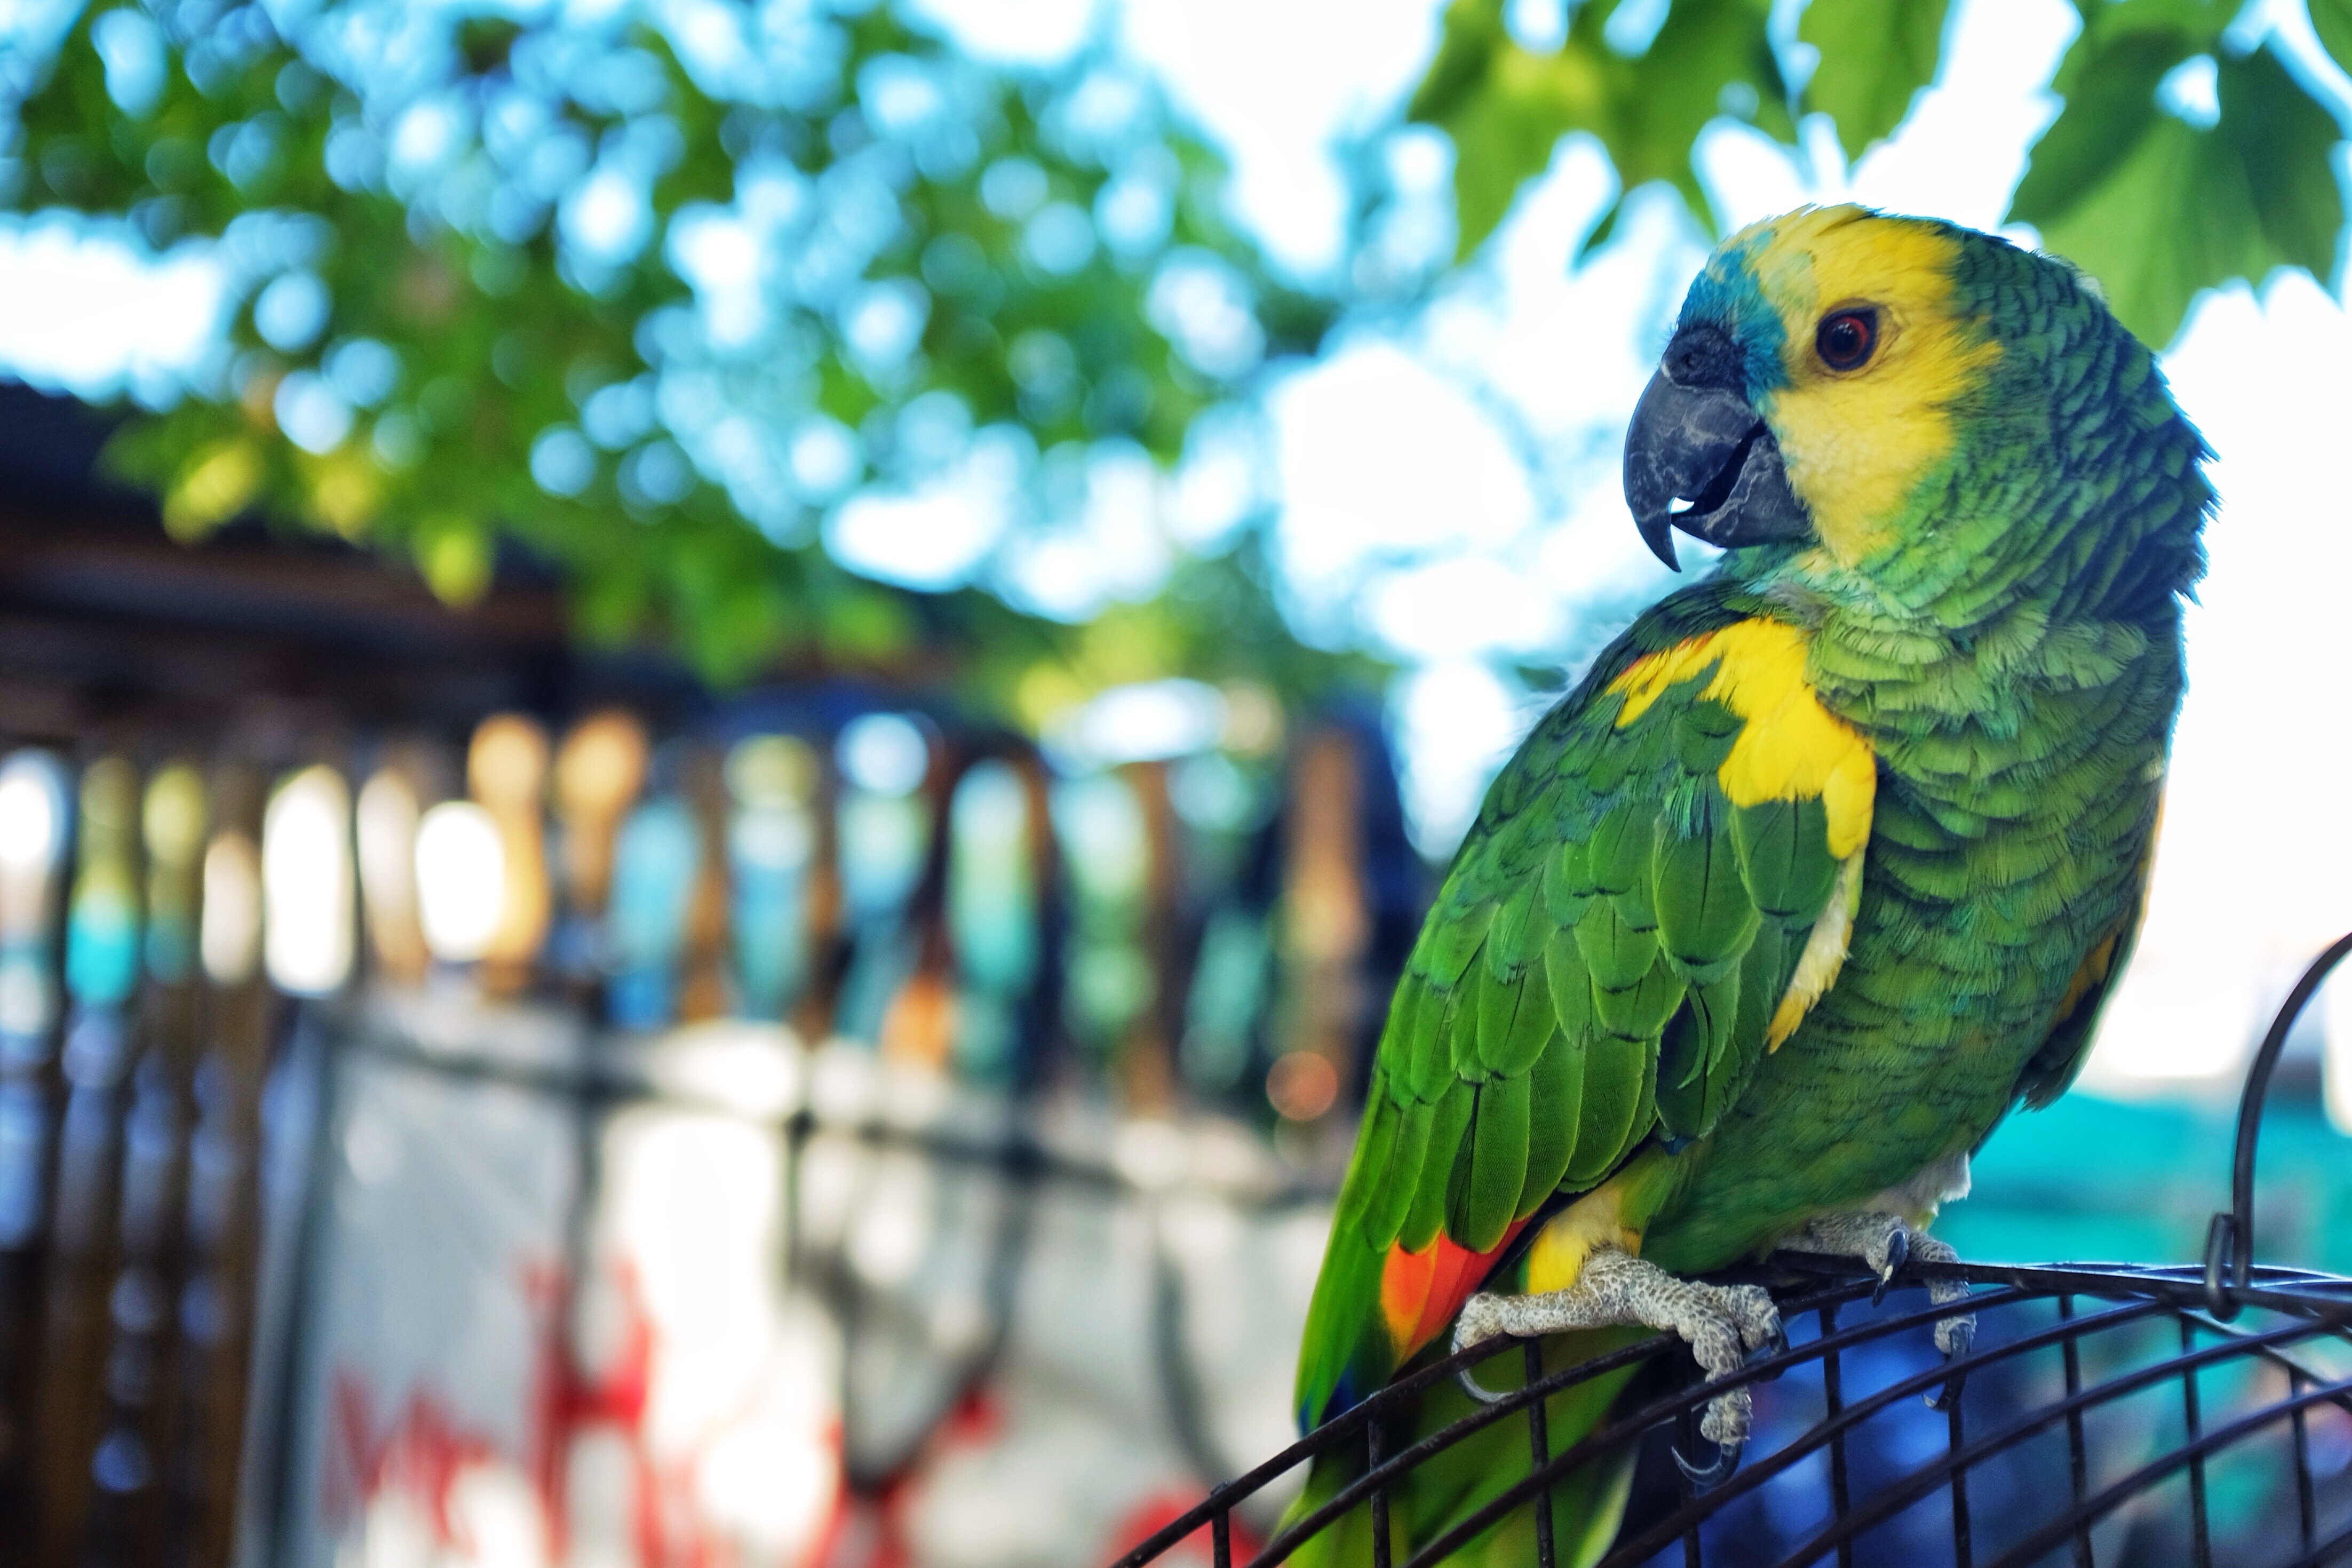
(2106, 1414)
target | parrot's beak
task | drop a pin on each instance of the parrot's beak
(1708, 446)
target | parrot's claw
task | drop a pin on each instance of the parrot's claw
(1707, 1478)
(1723, 1323)
(1955, 1337)
(1478, 1390)
(1898, 1252)
(1883, 1241)
(1887, 1245)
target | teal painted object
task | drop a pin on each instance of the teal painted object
(2161, 1172)
(767, 855)
(102, 915)
(103, 946)
(657, 858)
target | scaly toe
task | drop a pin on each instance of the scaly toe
(1728, 1417)
(1759, 1318)
(1481, 1319)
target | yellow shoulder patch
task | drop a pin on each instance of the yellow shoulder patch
(1790, 748)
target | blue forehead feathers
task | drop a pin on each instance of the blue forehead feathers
(1726, 295)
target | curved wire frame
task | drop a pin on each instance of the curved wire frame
(2261, 1382)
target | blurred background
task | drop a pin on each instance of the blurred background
(721, 719)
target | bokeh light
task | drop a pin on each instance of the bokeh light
(461, 880)
(230, 936)
(387, 821)
(307, 883)
(884, 753)
(32, 813)
(599, 768)
(32, 848)
(1302, 1085)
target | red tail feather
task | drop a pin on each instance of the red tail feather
(1421, 1291)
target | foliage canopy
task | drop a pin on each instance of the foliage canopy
(620, 290)
(650, 295)
(2153, 202)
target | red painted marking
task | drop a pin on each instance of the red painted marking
(566, 1403)
(425, 1449)
(422, 1455)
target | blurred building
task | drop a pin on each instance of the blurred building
(467, 1100)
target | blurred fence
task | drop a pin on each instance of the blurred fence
(733, 1143)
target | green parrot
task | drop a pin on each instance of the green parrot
(1828, 863)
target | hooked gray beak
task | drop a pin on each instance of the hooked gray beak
(1708, 446)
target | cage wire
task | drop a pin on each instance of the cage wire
(2107, 1415)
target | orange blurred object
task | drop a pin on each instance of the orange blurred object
(387, 821)
(598, 772)
(1302, 1085)
(505, 771)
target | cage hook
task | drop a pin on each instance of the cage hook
(2220, 1250)
(2229, 1242)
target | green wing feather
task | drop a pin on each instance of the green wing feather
(1597, 972)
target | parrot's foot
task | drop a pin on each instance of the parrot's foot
(1723, 1323)
(1886, 1243)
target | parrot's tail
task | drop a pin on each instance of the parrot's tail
(1587, 1504)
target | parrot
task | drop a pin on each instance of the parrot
(1820, 869)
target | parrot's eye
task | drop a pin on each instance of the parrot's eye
(1846, 338)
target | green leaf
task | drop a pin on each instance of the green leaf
(2110, 108)
(1506, 108)
(2173, 209)
(2286, 142)
(1713, 58)
(1472, 33)
(1876, 55)
(485, 340)
(2332, 20)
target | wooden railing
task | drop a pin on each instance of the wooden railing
(1205, 933)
